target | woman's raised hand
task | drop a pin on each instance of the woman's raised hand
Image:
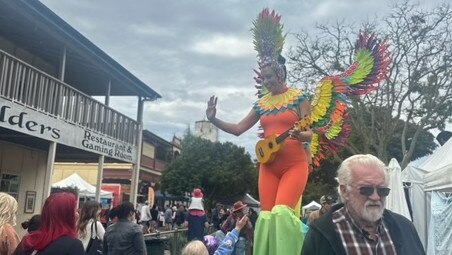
(241, 223)
(211, 110)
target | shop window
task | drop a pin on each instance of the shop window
(9, 183)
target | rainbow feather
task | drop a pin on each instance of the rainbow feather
(268, 40)
(329, 106)
(268, 35)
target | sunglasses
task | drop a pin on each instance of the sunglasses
(369, 190)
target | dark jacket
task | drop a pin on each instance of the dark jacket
(322, 237)
(124, 238)
(64, 245)
(155, 214)
(180, 217)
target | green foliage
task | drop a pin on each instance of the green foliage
(222, 170)
(425, 144)
(361, 142)
(321, 182)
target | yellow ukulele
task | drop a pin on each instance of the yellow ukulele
(267, 148)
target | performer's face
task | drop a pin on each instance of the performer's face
(270, 80)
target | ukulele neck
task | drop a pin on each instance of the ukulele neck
(282, 136)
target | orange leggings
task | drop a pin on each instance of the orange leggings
(282, 181)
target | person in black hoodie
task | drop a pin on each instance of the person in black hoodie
(362, 225)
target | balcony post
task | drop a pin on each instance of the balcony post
(137, 164)
(62, 64)
(100, 173)
(49, 169)
(107, 93)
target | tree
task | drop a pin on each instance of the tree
(424, 146)
(222, 170)
(321, 182)
(418, 90)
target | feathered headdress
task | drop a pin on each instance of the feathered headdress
(268, 36)
(268, 40)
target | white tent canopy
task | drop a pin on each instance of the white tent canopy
(432, 174)
(396, 200)
(439, 180)
(250, 201)
(313, 205)
(85, 189)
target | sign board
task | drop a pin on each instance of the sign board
(28, 121)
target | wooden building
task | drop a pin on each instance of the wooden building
(49, 73)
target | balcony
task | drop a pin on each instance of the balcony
(160, 165)
(154, 164)
(23, 84)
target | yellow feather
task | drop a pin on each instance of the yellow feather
(334, 131)
(315, 144)
(322, 100)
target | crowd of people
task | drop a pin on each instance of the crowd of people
(357, 224)
(218, 222)
(231, 227)
(63, 228)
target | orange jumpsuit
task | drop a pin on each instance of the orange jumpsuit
(282, 181)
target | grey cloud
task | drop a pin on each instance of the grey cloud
(156, 41)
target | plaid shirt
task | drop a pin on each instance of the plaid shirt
(358, 241)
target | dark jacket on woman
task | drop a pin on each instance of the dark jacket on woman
(124, 238)
(64, 245)
(322, 237)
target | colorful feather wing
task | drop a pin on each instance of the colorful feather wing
(329, 106)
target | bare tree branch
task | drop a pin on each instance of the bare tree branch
(418, 91)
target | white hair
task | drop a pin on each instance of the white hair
(195, 248)
(344, 173)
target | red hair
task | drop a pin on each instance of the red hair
(57, 220)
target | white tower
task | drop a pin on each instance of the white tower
(206, 130)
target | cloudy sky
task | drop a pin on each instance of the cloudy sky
(187, 50)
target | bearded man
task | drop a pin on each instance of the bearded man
(361, 224)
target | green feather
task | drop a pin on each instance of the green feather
(366, 62)
(268, 37)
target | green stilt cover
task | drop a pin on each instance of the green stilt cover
(261, 233)
(278, 232)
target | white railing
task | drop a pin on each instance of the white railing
(26, 85)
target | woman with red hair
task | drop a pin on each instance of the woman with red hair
(57, 233)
